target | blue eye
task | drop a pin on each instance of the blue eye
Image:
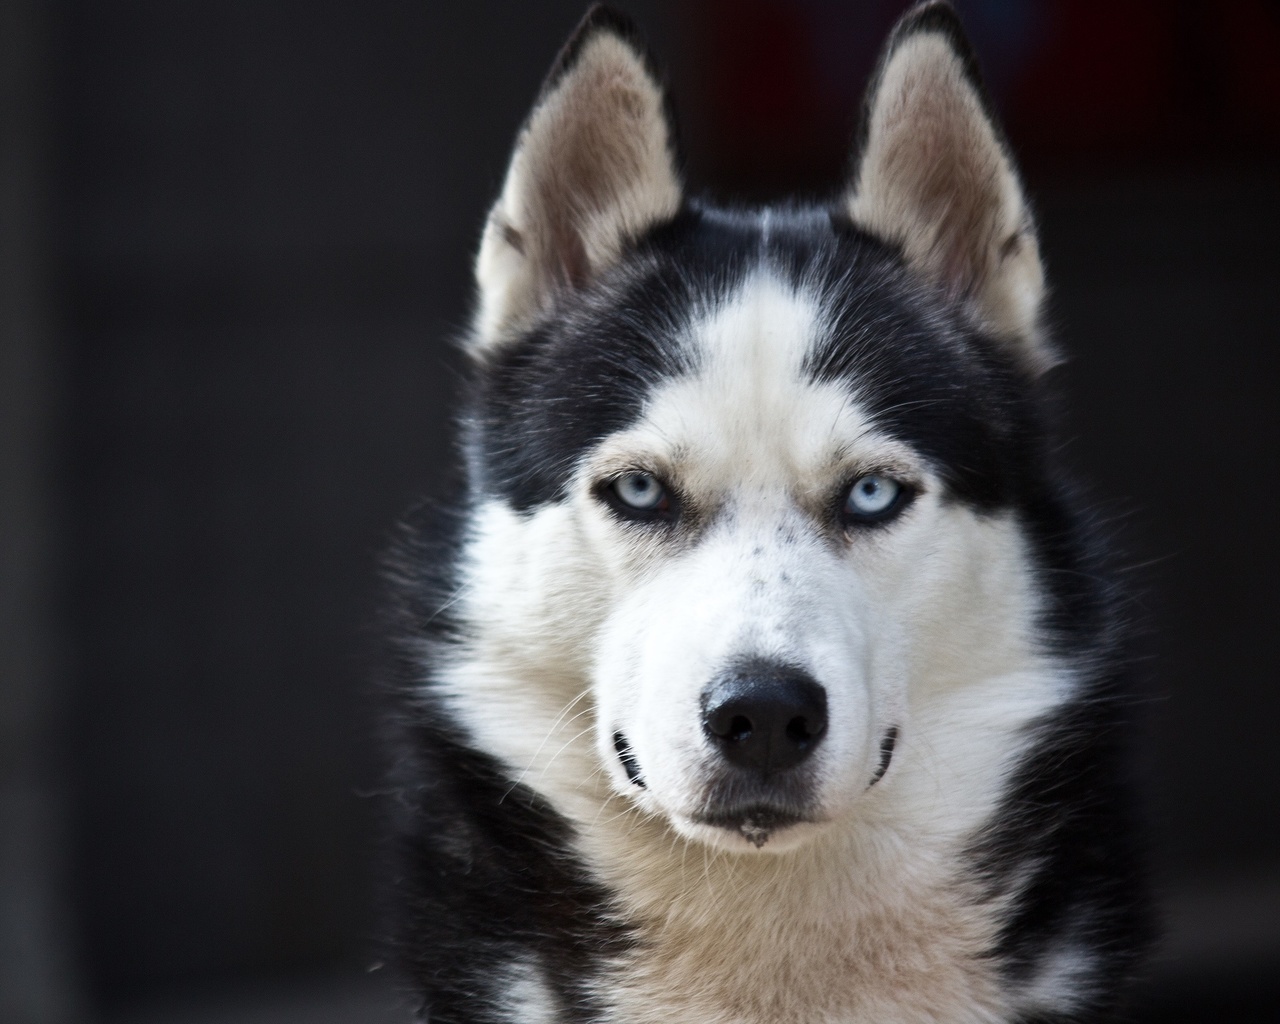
(640, 491)
(873, 497)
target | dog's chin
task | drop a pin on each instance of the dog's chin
(757, 829)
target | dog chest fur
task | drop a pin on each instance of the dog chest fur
(879, 922)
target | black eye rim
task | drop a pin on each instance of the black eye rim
(665, 511)
(907, 492)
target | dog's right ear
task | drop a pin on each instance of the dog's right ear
(593, 167)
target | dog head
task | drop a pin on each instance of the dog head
(747, 483)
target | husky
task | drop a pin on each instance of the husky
(763, 669)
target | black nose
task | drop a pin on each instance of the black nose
(765, 716)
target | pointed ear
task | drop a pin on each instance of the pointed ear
(934, 175)
(593, 167)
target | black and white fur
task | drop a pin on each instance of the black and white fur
(941, 832)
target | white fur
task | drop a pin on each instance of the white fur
(528, 999)
(584, 626)
(1062, 984)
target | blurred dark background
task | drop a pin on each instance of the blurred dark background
(235, 247)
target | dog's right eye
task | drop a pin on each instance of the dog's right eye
(639, 494)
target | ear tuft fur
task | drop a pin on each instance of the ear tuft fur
(600, 18)
(934, 175)
(593, 167)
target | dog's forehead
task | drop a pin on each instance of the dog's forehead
(750, 408)
(747, 326)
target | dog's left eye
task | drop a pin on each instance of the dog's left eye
(641, 492)
(873, 498)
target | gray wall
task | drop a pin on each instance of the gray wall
(37, 982)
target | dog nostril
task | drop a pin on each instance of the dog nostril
(722, 723)
(799, 731)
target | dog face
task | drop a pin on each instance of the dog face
(744, 482)
(749, 675)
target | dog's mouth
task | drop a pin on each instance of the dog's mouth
(755, 808)
(755, 823)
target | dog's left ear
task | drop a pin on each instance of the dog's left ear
(593, 167)
(935, 176)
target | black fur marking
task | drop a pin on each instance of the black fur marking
(1067, 832)
(887, 744)
(1069, 820)
(628, 758)
(486, 876)
(921, 372)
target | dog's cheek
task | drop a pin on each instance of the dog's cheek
(972, 609)
(532, 577)
(637, 692)
(614, 690)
